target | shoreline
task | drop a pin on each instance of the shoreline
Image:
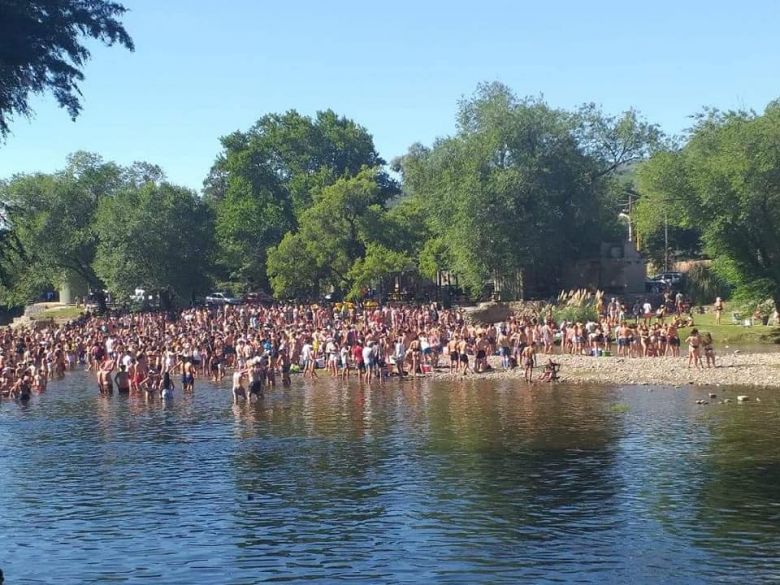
(738, 369)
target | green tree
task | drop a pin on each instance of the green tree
(266, 178)
(156, 236)
(52, 219)
(42, 48)
(333, 234)
(726, 182)
(521, 186)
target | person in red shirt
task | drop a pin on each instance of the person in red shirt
(357, 356)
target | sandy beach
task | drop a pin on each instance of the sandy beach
(745, 369)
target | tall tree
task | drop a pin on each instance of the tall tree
(346, 222)
(52, 218)
(42, 48)
(266, 178)
(725, 181)
(516, 189)
(156, 236)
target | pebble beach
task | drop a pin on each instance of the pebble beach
(743, 369)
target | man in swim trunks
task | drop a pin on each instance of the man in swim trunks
(528, 361)
(188, 376)
(122, 379)
(238, 385)
(257, 379)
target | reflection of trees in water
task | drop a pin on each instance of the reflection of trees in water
(539, 456)
(314, 472)
(400, 465)
(737, 504)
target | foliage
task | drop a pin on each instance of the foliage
(703, 285)
(120, 227)
(521, 186)
(163, 241)
(576, 306)
(52, 219)
(333, 235)
(42, 48)
(266, 178)
(726, 181)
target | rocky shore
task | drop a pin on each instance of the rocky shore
(744, 369)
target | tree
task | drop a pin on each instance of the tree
(725, 181)
(42, 49)
(156, 236)
(521, 186)
(52, 219)
(334, 234)
(267, 177)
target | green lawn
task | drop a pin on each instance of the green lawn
(59, 313)
(729, 333)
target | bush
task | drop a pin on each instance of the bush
(576, 306)
(702, 285)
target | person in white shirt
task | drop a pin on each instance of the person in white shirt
(309, 363)
(368, 359)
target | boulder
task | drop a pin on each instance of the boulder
(489, 313)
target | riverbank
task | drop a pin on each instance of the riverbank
(744, 369)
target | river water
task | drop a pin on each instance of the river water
(418, 482)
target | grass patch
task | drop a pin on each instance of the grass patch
(728, 332)
(58, 313)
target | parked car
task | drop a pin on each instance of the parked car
(221, 298)
(664, 280)
(258, 298)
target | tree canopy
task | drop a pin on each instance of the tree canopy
(106, 225)
(342, 240)
(42, 49)
(266, 178)
(521, 186)
(157, 236)
(725, 182)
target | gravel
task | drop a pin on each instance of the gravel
(746, 369)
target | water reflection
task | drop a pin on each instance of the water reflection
(467, 481)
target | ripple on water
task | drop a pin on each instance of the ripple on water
(447, 482)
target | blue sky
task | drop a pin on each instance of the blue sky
(205, 68)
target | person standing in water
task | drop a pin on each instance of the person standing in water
(122, 380)
(166, 386)
(238, 385)
(188, 375)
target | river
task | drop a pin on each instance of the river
(418, 482)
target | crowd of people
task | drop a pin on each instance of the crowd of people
(258, 346)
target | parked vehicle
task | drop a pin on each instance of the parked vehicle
(221, 298)
(258, 298)
(663, 281)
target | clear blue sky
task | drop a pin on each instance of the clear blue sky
(205, 68)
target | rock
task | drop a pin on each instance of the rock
(727, 401)
(758, 400)
(489, 313)
(713, 395)
(743, 398)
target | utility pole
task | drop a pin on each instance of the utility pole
(666, 241)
